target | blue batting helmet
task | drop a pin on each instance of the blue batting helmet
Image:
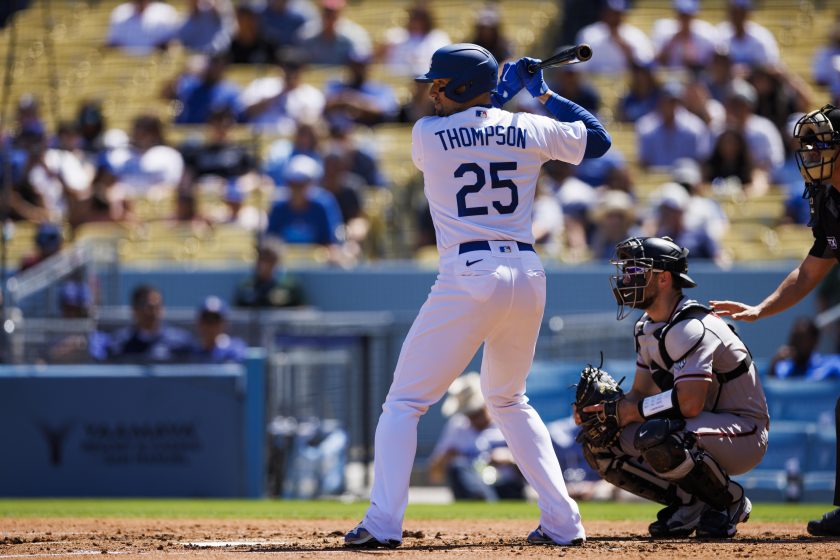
(471, 68)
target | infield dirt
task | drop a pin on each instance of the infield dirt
(204, 539)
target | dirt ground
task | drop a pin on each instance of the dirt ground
(205, 539)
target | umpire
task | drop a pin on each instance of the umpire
(819, 135)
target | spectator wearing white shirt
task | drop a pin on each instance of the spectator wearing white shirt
(615, 44)
(141, 26)
(763, 138)
(685, 41)
(408, 50)
(748, 42)
(337, 39)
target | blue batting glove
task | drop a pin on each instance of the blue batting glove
(509, 85)
(534, 83)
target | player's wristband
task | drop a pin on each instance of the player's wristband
(663, 405)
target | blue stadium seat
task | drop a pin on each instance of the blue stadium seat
(795, 399)
(788, 441)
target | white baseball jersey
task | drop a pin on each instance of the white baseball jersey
(481, 166)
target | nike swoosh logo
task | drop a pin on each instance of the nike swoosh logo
(470, 263)
(642, 434)
(504, 74)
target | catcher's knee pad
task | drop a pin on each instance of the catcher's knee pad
(709, 481)
(664, 447)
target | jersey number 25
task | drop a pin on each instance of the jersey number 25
(496, 182)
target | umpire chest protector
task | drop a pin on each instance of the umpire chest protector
(693, 344)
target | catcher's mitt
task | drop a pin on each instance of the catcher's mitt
(596, 386)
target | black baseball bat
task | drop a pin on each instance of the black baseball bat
(568, 55)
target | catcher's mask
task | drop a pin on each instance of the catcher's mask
(818, 133)
(635, 259)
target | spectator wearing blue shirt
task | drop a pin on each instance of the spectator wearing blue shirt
(213, 345)
(208, 26)
(306, 214)
(642, 94)
(304, 142)
(799, 357)
(148, 339)
(282, 22)
(359, 98)
(337, 38)
(671, 132)
(203, 91)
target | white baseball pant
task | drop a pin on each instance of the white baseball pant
(494, 295)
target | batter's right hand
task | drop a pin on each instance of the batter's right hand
(736, 310)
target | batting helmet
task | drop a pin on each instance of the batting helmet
(634, 258)
(472, 71)
(818, 133)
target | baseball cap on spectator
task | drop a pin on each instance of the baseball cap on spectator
(74, 294)
(617, 5)
(301, 169)
(48, 237)
(614, 202)
(464, 396)
(686, 171)
(487, 16)
(212, 308)
(743, 91)
(673, 196)
(689, 7)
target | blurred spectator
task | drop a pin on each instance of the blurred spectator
(570, 82)
(304, 142)
(141, 26)
(577, 14)
(218, 156)
(699, 100)
(684, 42)
(826, 59)
(28, 116)
(282, 22)
(596, 171)
(719, 74)
(730, 169)
(277, 104)
(669, 220)
(779, 94)
(248, 45)
(615, 219)
(359, 98)
(703, 211)
(336, 39)
(642, 94)
(208, 26)
(747, 42)
(48, 241)
(203, 88)
(346, 187)
(470, 446)
(763, 139)
(148, 338)
(615, 44)
(575, 198)
(547, 220)
(75, 302)
(268, 287)
(91, 125)
(799, 357)
(213, 345)
(362, 161)
(419, 105)
(407, 51)
(146, 165)
(671, 132)
(305, 213)
(488, 33)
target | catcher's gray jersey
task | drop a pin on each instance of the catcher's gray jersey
(701, 346)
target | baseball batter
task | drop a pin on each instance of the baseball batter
(696, 413)
(480, 166)
(818, 133)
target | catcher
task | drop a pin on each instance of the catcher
(696, 413)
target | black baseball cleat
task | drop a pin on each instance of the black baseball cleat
(538, 536)
(677, 520)
(722, 523)
(361, 538)
(827, 526)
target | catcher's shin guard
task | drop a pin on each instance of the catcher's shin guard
(672, 453)
(628, 474)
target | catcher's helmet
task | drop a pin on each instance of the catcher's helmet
(634, 258)
(818, 133)
(471, 69)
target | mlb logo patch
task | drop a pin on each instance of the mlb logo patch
(832, 242)
(505, 248)
(481, 113)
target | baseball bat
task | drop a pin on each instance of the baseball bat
(568, 55)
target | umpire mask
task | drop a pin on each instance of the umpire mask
(818, 133)
(636, 259)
